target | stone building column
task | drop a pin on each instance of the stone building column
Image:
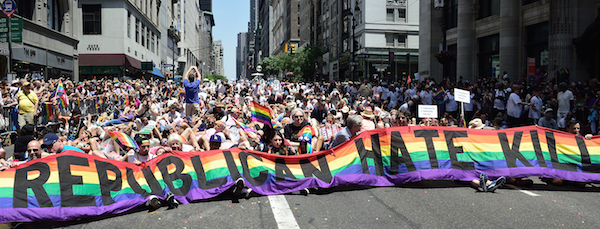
(465, 58)
(429, 41)
(560, 32)
(509, 38)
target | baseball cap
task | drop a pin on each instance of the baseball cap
(26, 84)
(548, 110)
(216, 138)
(50, 139)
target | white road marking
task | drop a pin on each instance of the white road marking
(521, 190)
(282, 212)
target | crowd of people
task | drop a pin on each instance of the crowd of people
(196, 115)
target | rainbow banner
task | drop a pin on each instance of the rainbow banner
(260, 113)
(75, 185)
(47, 112)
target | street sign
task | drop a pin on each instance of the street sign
(354, 63)
(16, 37)
(16, 25)
(362, 55)
(9, 7)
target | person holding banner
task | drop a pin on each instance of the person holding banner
(353, 126)
(55, 146)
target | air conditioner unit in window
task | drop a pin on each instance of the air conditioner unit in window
(438, 3)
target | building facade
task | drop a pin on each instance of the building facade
(116, 36)
(519, 37)
(218, 50)
(283, 25)
(48, 48)
(207, 56)
(189, 20)
(240, 54)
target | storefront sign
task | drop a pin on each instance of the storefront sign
(531, 65)
(30, 54)
(60, 61)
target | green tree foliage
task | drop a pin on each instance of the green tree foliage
(302, 63)
(214, 78)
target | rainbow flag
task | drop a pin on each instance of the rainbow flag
(181, 92)
(305, 135)
(463, 122)
(123, 140)
(260, 113)
(439, 94)
(47, 112)
(274, 124)
(61, 95)
(245, 127)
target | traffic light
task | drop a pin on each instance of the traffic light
(286, 48)
(293, 47)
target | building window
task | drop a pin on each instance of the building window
(397, 15)
(137, 30)
(401, 15)
(148, 38)
(488, 8)
(92, 23)
(537, 43)
(390, 15)
(451, 9)
(143, 35)
(152, 44)
(489, 55)
(395, 40)
(25, 8)
(129, 24)
(55, 16)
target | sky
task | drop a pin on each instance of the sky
(231, 18)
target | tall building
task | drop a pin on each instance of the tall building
(169, 39)
(386, 39)
(48, 46)
(253, 46)
(188, 19)
(218, 50)
(240, 54)
(283, 25)
(116, 36)
(263, 31)
(490, 37)
(207, 57)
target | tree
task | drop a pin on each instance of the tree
(214, 78)
(301, 63)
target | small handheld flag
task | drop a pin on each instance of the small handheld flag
(260, 113)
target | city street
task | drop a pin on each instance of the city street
(427, 204)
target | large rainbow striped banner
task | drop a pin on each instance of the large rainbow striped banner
(73, 185)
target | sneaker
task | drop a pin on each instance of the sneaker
(238, 186)
(173, 203)
(483, 178)
(153, 203)
(248, 191)
(496, 184)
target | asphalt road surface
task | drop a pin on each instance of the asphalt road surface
(426, 204)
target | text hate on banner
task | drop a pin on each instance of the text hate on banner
(73, 185)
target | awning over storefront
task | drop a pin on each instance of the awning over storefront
(157, 72)
(109, 60)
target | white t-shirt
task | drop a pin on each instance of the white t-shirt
(537, 103)
(564, 100)
(427, 97)
(513, 108)
(131, 157)
(499, 103)
(451, 104)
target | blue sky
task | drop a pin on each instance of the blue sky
(231, 18)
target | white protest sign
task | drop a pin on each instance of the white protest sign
(428, 111)
(462, 95)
